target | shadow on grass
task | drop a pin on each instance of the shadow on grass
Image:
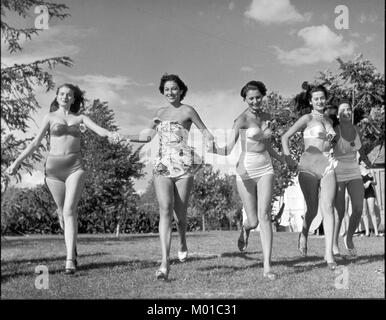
(47, 259)
(299, 265)
(83, 268)
(243, 255)
(11, 242)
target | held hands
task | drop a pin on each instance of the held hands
(114, 137)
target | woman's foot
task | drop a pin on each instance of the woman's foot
(302, 245)
(163, 272)
(270, 275)
(70, 266)
(242, 242)
(352, 252)
(182, 256)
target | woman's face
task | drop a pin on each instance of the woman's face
(65, 97)
(254, 99)
(172, 92)
(345, 112)
(318, 100)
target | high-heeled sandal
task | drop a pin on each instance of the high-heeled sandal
(162, 273)
(242, 242)
(182, 256)
(270, 275)
(70, 269)
(332, 265)
(302, 249)
(352, 252)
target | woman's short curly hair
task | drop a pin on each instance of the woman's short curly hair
(78, 98)
(318, 88)
(253, 85)
(173, 77)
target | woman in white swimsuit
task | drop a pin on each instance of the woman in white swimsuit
(348, 176)
(255, 177)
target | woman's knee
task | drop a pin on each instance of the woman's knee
(69, 212)
(265, 216)
(253, 222)
(165, 209)
(327, 207)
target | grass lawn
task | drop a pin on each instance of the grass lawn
(124, 268)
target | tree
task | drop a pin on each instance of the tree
(213, 197)
(108, 199)
(359, 81)
(283, 117)
(18, 81)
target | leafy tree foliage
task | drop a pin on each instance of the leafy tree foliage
(108, 199)
(18, 82)
(359, 81)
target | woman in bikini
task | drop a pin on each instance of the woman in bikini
(175, 164)
(348, 176)
(316, 170)
(255, 176)
(64, 171)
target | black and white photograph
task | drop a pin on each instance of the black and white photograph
(192, 155)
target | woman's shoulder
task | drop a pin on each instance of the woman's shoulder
(241, 120)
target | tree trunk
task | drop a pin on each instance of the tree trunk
(203, 222)
(117, 231)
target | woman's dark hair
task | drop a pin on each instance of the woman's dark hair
(343, 100)
(78, 98)
(173, 77)
(318, 88)
(253, 85)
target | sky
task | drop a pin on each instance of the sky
(122, 48)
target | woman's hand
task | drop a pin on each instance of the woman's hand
(114, 137)
(367, 184)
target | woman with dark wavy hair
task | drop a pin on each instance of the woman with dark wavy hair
(175, 164)
(254, 171)
(316, 169)
(64, 171)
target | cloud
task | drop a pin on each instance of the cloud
(247, 69)
(320, 45)
(370, 38)
(57, 41)
(231, 6)
(275, 12)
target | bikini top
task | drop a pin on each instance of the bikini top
(347, 149)
(62, 129)
(255, 134)
(319, 130)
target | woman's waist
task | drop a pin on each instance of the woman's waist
(346, 157)
(322, 146)
(64, 154)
